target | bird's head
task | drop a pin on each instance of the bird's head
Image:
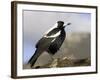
(61, 24)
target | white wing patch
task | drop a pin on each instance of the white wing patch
(53, 40)
(53, 36)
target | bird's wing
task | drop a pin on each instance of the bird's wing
(48, 38)
(44, 42)
(41, 46)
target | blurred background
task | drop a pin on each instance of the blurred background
(76, 46)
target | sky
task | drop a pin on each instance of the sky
(36, 23)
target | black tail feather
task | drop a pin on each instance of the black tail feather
(34, 58)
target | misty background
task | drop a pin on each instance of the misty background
(77, 43)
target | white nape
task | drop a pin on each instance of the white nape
(55, 26)
(53, 36)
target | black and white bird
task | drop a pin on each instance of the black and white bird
(50, 42)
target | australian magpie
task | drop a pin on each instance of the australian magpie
(50, 42)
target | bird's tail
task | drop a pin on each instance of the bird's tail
(34, 57)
